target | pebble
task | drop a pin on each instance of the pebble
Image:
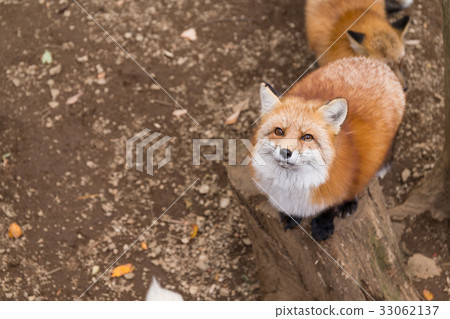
(128, 35)
(54, 93)
(95, 269)
(423, 267)
(406, 174)
(185, 240)
(224, 202)
(53, 104)
(55, 70)
(139, 37)
(16, 82)
(247, 241)
(203, 189)
(129, 275)
(193, 290)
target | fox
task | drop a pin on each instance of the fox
(393, 6)
(318, 146)
(336, 29)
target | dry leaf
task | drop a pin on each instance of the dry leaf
(119, 271)
(428, 295)
(189, 34)
(178, 113)
(14, 231)
(144, 245)
(188, 203)
(194, 230)
(233, 118)
(74, 99)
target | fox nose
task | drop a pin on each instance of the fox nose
(285, 153)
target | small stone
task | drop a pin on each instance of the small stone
(224, 202)
(82, 59)
(139, 37)
(423, 267)
(129, 275)
(54, 93)
(91, 164)
(168, 54)
(155, 87)
(67, 13)
(246, 241)
(128, 35)
(40, 213)
(406, 174)
(55, 70)
(95, 269)
(53, 104)
(193, 290)
(185, 240)
(181, 60)
(16, 82)
(203, 189)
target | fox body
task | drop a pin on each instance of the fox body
(319, 145)
(357, 30)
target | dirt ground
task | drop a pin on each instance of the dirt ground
(63, 176)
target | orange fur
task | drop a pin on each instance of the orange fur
(327, 20)
(376, 104)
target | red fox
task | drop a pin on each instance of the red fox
(318, 146)
(372, 35)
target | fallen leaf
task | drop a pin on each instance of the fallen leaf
(6, 155)
(14, 231)
(188, 203)
(47, 57)
(119, 271)
(74, 99)
(428, 295)
(144, 245)
(189, 34)
(194, 230)
(232, 118)
(178, 113)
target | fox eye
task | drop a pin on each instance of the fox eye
(307, 137)
(278, 131)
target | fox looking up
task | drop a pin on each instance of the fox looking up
(371, 36)
(319, 145)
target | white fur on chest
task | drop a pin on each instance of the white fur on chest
(290, 190)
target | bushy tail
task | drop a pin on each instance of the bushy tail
(397, 5)
(157, 293)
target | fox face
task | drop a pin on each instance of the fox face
(295, 141)
(384, 43)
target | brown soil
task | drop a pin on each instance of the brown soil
(66, 183)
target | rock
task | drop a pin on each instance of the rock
(139, 37)
(193, 290)
(224, 202)
(91, 164)
(82, 59)
(185, 240)
(128, 35)
(406, 174)
(246, 241)
(129, 275)
(54, 93)
(53, 104)
(95, 269)
(16, 82)
(423, 267)
(55, 70)
(203, 189)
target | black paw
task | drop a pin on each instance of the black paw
(322, 227)
(288, 221)
(346, 209)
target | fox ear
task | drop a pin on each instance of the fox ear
(335, 112)
(356, 39)
(402, 25)
(269, 97)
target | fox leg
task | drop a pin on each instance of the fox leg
(322, 227)
(347, 208)
(288, 221)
